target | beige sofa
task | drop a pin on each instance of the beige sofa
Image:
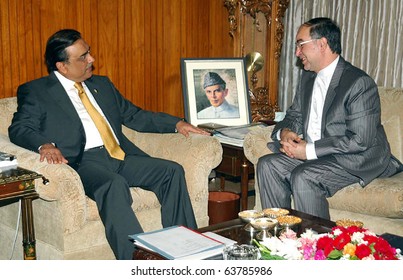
(67, 224)
(380, 204)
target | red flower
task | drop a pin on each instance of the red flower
(384, 251)
(341, 240)
(353, 229)
(370, 239)
(362, 251)
(325, 243)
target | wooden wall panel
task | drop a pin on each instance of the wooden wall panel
(137, 43)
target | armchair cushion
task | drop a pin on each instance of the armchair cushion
(383, 197)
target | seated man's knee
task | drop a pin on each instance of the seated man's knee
(299, 176)
(264, 162)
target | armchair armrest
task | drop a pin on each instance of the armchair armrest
(255, 143)
(64, 189)
(198, 154)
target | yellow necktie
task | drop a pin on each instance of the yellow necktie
(109, 140)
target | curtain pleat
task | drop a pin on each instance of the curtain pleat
(371, 35)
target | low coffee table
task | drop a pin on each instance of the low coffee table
(234, 229)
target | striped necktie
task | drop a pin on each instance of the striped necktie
(107, 136)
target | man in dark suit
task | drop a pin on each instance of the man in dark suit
(332, 134)
(53, 120)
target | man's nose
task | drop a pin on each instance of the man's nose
(91, 59)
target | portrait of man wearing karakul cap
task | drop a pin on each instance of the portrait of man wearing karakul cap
(216, 92)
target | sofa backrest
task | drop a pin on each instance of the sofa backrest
(7, 108)
(392, 118)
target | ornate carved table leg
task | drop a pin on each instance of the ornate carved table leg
(28, 232)
(244, 183)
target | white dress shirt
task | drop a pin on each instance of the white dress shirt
(93, 138)
(320, 88)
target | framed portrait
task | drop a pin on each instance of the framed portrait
(215, 91)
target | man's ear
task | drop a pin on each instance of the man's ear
(323, 43)
(61, 66)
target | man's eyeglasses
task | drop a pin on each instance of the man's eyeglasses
(84, 56)
(81, 58)
(299, 45)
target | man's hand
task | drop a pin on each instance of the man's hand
(184, 128)
(292, 145)
(51, 154)
(294, 149)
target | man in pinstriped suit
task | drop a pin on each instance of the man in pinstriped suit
(332, 134)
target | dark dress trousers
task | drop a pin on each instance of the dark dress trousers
(353, 145)
(46, 115)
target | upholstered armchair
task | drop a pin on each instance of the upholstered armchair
(67, 224)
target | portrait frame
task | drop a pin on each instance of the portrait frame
(233, 72)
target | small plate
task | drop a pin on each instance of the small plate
(288, 220)
(249, 215)
(348, 223)
(275, 212)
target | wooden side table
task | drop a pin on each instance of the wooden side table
(235, 163)
(18, 183)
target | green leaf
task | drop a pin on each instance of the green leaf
(335, 255)
(261, 247)
(271, 257)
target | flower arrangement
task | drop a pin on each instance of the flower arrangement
(342, 243)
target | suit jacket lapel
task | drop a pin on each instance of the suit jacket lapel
(102, 99)
(332, 90)
(99, 96)
(58, 93)
(96, 94)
